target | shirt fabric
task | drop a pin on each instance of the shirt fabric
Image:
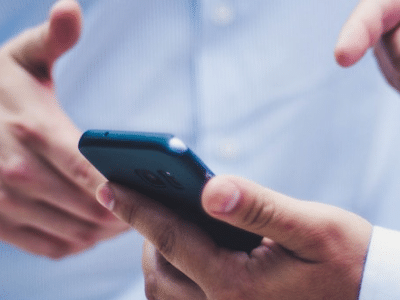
(251, 86)
(382, 272)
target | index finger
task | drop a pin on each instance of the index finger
(369, 21)
(183, 244)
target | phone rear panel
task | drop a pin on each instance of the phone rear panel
(168, 172)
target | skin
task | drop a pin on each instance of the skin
(373, 24)
(310, 250)
(47, 188)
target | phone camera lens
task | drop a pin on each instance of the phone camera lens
(171, 179)
(150, 178)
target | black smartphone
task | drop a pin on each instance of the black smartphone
(162, 167)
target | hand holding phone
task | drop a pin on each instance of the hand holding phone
(163, 168)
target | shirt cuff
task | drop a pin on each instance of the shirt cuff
(381, 279)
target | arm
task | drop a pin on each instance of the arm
(47, 189)
(310, 250)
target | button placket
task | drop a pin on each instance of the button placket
(223, 14)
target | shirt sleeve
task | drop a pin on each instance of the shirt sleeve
(381, 279)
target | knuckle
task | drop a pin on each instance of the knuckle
(327, 237)
(57, 254)
(9, 204)
(317, 243)
(16, 170)
(29, 132)
(4, 198)
(166, 241)
(45, 244)
(330, 234)
(54, 249)
(59, 249)
(259, 214)
(128, 212)
(83, 171)
(87, 238)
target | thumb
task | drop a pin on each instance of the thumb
(38, 48)
(308, 229)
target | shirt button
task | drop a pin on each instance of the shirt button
(229, 149)
(223, 15)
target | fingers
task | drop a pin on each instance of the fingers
(29, 177)
(306, 228)
(163, 280)
(37, 49)
(54, 138)
(32, 240)
(50, 185)
(47, 218)
(58, 146)
(41, 131)
(181, 243)
(55, 232)
(369, 21)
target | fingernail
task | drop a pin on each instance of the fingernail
(105, 196)
(343, 60)
(227, 199)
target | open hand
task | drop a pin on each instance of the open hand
(47, 188)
